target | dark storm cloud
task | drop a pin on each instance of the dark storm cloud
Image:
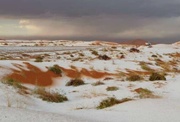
(90, 19)
(77, 8)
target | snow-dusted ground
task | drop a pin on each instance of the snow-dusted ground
(22, 115)
(84, 99)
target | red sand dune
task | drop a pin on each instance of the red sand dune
(137, 72)
(35, 76)
(104, 42)
(134, 42)
(74, 73)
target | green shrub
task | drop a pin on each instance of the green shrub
(134, 78)
(112, 88)
(50, 96)
(75, 82)
(56, 69)
(156, 76)
(110, 102)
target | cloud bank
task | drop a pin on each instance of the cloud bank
(90, 19)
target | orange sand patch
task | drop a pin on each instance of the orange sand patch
(104, 42)
(74, 73)
(94, 74)
(130, 72)
(33, 75)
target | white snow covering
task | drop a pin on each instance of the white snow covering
(83, 100)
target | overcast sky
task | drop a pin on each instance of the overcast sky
(90, 19)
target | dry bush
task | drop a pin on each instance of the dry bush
(50, 96)
(134, 50)
(104, 57)
(134, 78)
(93, 93)
(157, 76)
(154, 56)
(145, 66)
(145, 93)
(111, 101)
(75, 82)
(166, 66)
(81, 54)
(39, 59)
(94, 52)
(112, 88)
(56, 69)
(98, 83)
(13, 82)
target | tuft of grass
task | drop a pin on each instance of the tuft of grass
(156, 76)
(145, 66)
(112, 88)
(50, 96)
(39, 59)
(98, 83)
(56, 69)
(75, 82)
(17, 85)
(144, 93)
(134, 78)
(13, 82)
(111, 101)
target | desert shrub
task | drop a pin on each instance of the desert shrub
(144, 93)
(98, 83)
(110, 102)
(94, 52)
(50, 96)
(156, 76)
(134, 50)
(122, 56)
(56, 69)
(112, 88)
(77, 59)
(145, 66)
(134, 78)
(114, 47)
(104, 57)
(39, 59)
(75, 82)
(81, 54)
(13, 82)
(154, 56)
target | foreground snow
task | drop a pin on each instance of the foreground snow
(23, 115)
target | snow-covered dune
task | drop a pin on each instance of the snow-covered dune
(101, 72)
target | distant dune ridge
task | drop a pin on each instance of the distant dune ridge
(177, 43)
(137, 42)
